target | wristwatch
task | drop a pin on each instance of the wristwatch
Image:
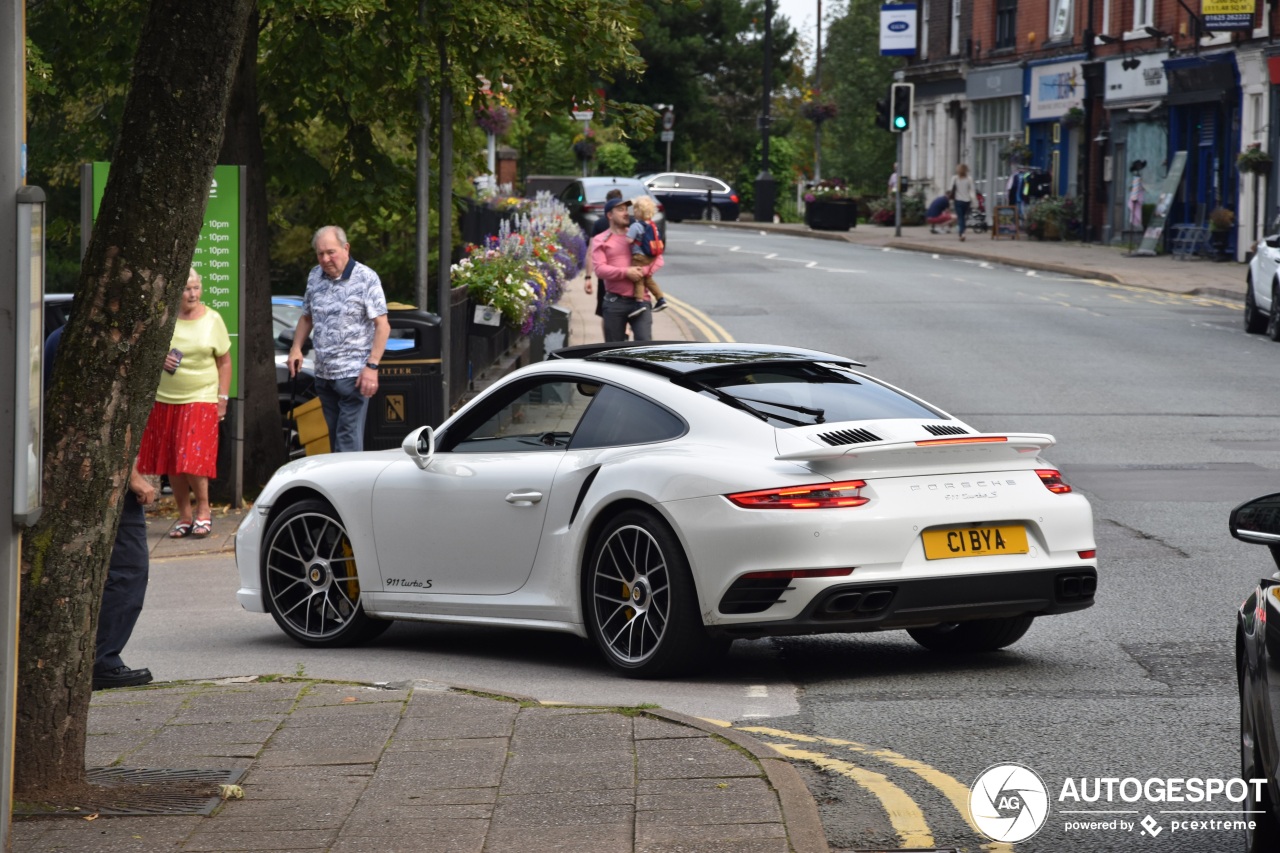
(372, 365)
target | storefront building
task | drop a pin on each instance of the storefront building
(1135, 137)
(995, 98)
(1055, 96)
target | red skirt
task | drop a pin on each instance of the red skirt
(180, 439)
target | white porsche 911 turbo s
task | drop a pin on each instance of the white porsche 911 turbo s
(665, 499)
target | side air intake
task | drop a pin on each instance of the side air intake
(849, 436)
(944, 429)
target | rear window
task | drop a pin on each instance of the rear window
(596, 192)
(789, 395)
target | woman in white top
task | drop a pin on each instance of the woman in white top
(962, 193)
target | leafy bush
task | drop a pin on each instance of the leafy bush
(614, 158)
(1055, 218)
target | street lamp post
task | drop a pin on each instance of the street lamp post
(766, 186)
(817, 86)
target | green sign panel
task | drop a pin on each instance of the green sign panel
(217, 256)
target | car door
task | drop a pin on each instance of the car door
(470, 523)
(1265, 271)
(662, 188)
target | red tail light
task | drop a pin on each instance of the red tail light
(1088, 555)
(660, 207)
(788, 574)
(819, 496)
(733, 197)
(593, 207)
(1053, 481)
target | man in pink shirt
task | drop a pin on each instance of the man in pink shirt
(611, 259)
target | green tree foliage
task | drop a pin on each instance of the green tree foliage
(614, 158)
(705, 59)
(855, 76)
(338, 83)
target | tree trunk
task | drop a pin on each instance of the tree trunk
(109, 365)
(264, 449)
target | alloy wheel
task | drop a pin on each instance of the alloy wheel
(631, 594)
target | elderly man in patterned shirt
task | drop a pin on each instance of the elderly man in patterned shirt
(345, 308)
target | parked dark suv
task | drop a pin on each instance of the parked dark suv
(585, 199)
(685, 196)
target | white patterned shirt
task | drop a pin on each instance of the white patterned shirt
(342, 314)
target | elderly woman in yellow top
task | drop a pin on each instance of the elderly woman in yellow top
(181, 438)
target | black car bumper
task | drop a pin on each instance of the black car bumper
(860, 607)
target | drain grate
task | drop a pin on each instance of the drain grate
(145, 792)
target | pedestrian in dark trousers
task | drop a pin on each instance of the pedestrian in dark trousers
(598, 227)
(127, 574)
(611, 259)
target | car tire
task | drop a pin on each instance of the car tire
(640, 601)
(1273, 319)
(981, 635)
(711, 213)
(309, 578)
(1255, 322)
(1265, 834)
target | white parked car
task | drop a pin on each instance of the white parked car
(664, 499)
(1262, 289)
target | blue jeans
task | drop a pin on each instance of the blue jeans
(344, 411)
(962, 213)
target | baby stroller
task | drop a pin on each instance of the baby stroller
(977, 220)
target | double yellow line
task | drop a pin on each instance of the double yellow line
(905, 815)
(710, 330)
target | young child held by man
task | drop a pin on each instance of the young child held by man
(646, 245)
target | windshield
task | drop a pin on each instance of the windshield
(787, 395)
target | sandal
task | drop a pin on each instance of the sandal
(181, 530)
(202, 528)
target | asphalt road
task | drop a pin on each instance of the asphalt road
(1163, 420)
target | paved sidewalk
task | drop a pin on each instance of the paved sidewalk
(1087, 260)
(423, 767)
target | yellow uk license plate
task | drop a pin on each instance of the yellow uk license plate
(974, 541)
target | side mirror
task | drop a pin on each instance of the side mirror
(420, 446)
(1258, 521)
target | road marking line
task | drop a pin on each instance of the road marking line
(905, 816)
(771, 256)
(758, 691)
(950, 787)
(714, 331)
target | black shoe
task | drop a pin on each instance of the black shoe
(121, 676)
(661, 304)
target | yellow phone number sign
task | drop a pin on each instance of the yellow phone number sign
(1228, 14)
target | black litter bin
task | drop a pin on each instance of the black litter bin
(409, 385)
(555, 335)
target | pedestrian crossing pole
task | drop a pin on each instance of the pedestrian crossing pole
(897, 191)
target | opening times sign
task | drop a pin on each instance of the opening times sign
(1227, 14)
(217, 254)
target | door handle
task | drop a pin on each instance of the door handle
(527, 498)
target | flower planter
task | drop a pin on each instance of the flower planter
(832, 215)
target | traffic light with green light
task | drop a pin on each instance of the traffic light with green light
(900, 96)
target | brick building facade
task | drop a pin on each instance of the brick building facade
(1116, 101)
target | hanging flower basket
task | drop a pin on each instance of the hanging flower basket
(818, 111)
(1018, 152)
(495, 119)
(585, 150)
(1253, 159)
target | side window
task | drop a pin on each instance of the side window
(620, 418)
(662, 182)
(535, 417)
(699, 184)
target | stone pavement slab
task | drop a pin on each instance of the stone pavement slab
(349, 767)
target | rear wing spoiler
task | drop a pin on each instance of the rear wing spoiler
(988, 445)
